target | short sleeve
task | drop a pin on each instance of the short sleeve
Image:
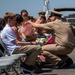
(11, 35)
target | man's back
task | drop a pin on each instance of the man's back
(63, 33)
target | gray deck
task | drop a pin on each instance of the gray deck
(47, 71)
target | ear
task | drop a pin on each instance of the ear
(55, 17)
(9, 20)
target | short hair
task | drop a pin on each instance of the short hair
(24, 11)
(9, 15)
(19, 18)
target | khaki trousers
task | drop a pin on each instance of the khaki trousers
(32, 52)
(54, 52)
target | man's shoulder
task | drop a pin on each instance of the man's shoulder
(66, 23)
(57, 21)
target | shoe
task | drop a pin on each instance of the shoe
(69, 62)
(27, 68)
(39, 64)
(37, 70)
(60, 65)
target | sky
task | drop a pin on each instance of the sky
(32, 6)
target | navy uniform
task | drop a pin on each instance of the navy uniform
(41, 20)
(63, 37)
(42, 14)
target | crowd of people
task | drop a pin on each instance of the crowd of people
(53, 38)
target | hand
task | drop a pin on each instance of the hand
(29, 21)
(34, 43)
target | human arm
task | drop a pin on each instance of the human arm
(22, 34)
(38, 20)
(43, 26)
(12, 38)
(20, 43)
(26, 37)
(37, 25)
(16, 33)
(28, 33)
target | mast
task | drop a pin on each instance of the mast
(46, 8)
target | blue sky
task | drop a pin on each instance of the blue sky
(32, 6)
